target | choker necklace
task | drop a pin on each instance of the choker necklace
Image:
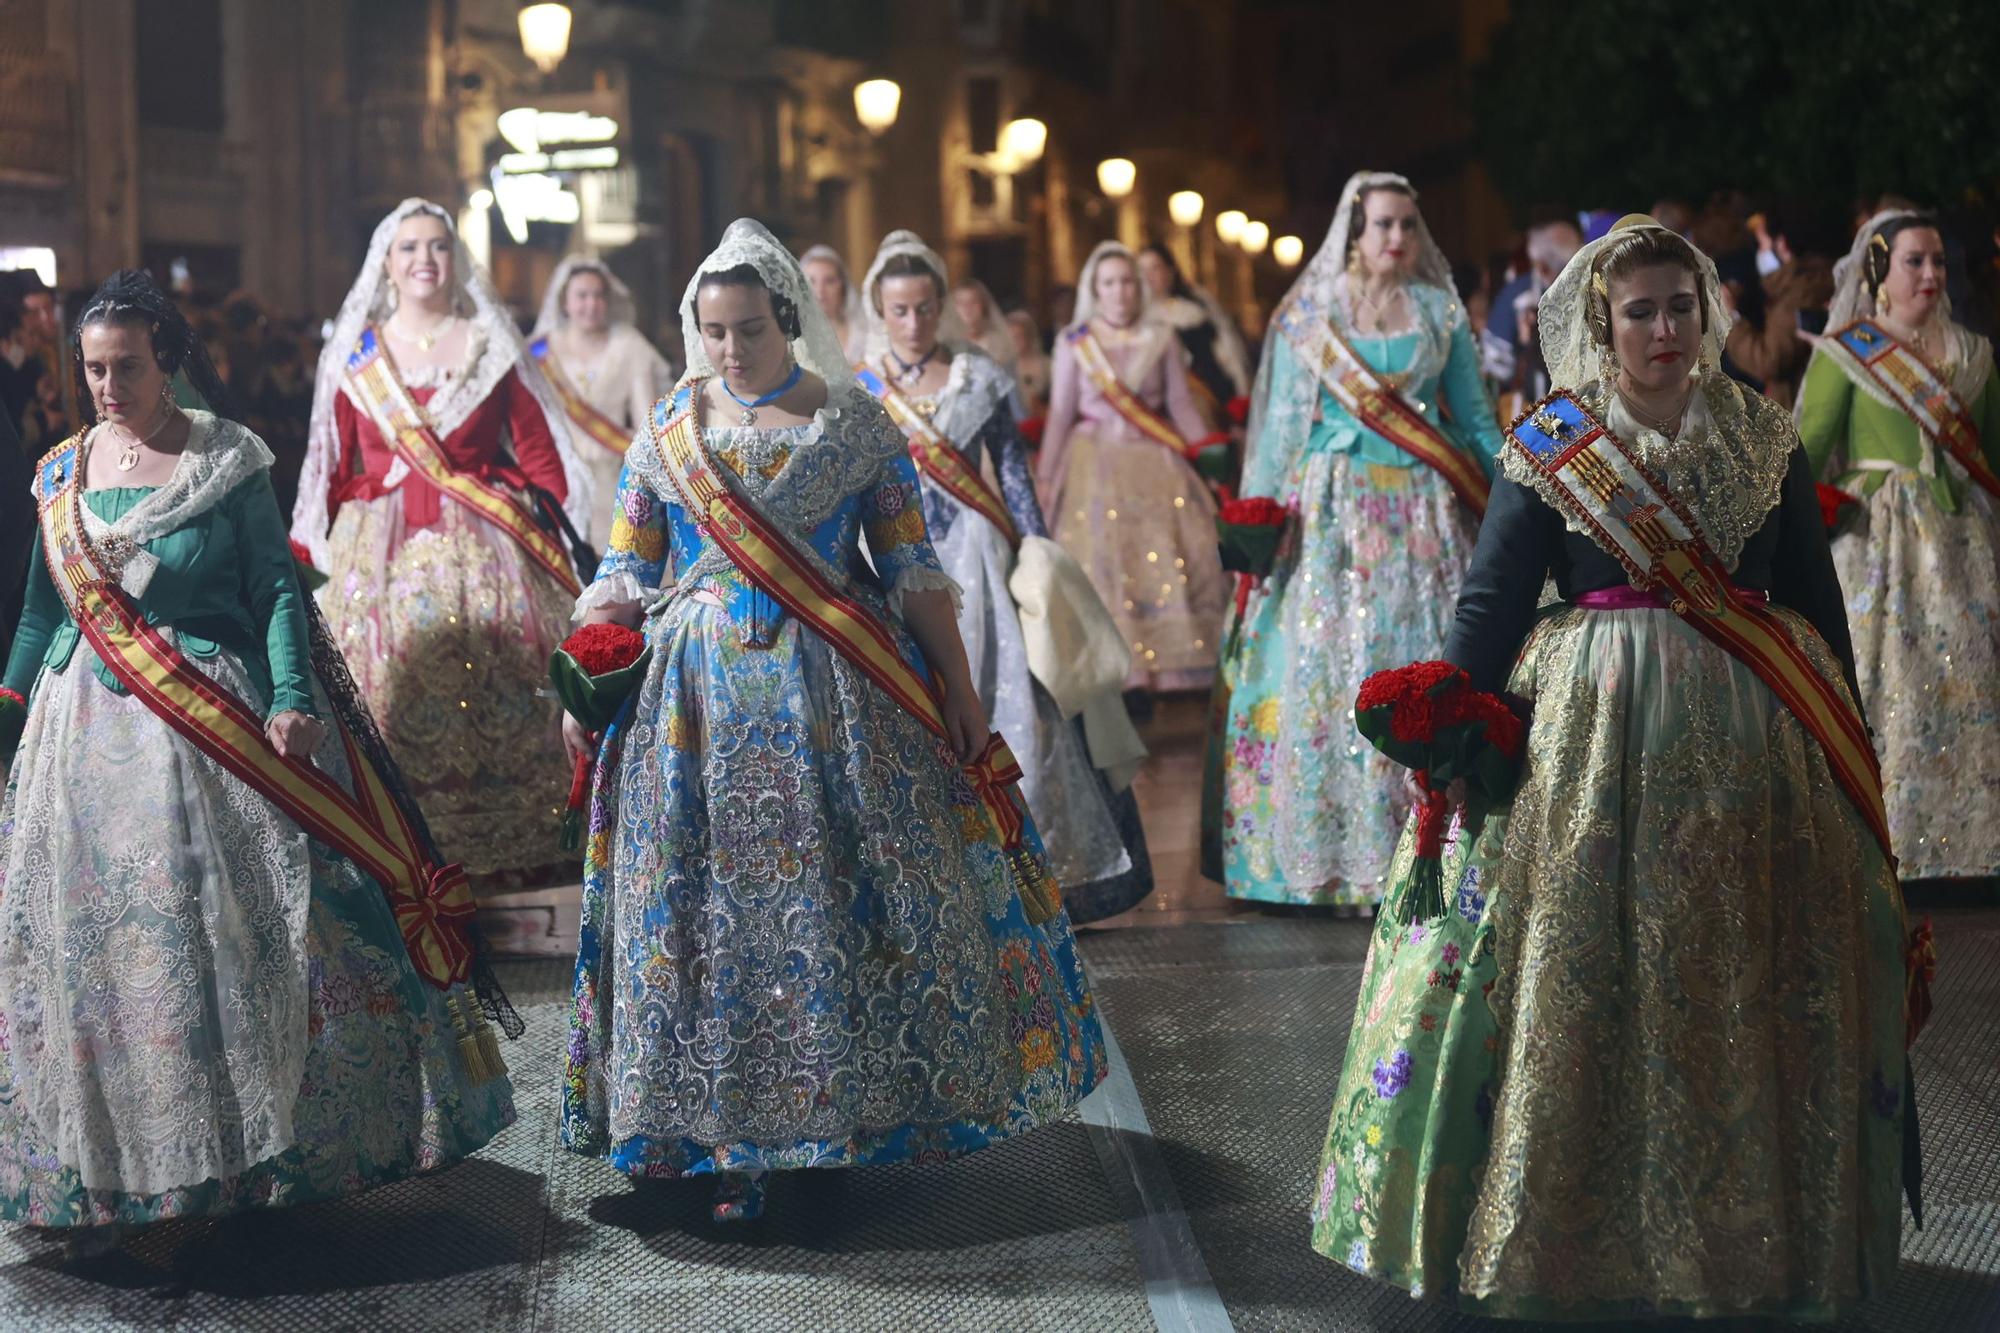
(1669, 427)
(913, 371)
(128, 452)
(750, 408)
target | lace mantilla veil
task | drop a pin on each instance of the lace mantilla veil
(1159, 335)
(952, 333)
(1563, 314)
(1968, 357)
(370, 301)
(1323, 281)
(618, 297)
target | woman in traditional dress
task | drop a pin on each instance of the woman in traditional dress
(1900, 408)
(1386, 485)
(1117, 484)
(1649, 1060)
(436, 470)
(804, 944)
(208, 1003)
(949, 396)
(1217, 358)
(603, 371)
(838, 299)
(1031, 362)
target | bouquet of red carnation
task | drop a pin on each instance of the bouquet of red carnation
(1211, 456)
(1832, 502)
(1250, 530)
(1427, 717)
(1238, 409)
(1031, 430)
(302, 558)
(595, 672)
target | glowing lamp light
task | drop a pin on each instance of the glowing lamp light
(1184, 207)
(1229, 225)
(1256, 235)
(545, 34)
(1288, 251)
(1022, 142)
(480, 200)
(1116, 176)
(876, 102)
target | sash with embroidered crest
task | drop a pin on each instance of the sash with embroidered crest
(1372, 401)
(767, 556)
(600, 428)
(1599, 481)
(939, 459)
(1096, 366)
(432, 903)
(1866, 350)
(406, 428)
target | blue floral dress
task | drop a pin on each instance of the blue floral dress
(801, 945)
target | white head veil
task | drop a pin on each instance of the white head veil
(952, 333)
(852, 313)
(1156, 333)
(1572, 354)
(817, 348)
(1323, 283)
(992, 336)
(370, 301)
(618, 297)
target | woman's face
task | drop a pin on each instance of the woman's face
(1159, 277)
(823, 276)
(1116, 288)
(741, 335)
(1916, 274)
(1023, 330)
(126, 383)
(587, 301)
(1389, 233)
(911, 309)
(1656, 326)
(420, 258)
(971, 308)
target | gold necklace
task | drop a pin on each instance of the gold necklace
(427, 339)
(1668, 427)
(128, 452)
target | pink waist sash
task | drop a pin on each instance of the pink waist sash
(1629, 598)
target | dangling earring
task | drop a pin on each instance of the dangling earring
(1607, 366)
(1882, 299)
(1354, 261)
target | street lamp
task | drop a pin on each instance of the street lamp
(1116, 176)
(1022, 141)
(876, 102)
(1288, 251)
(1184, 207)
(545, 34)
(1229, 225)
(1256, 235)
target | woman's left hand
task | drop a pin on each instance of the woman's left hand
(965, 722)
(294, 735)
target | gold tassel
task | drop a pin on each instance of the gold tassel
(468, 1045)
(1041, 896)
(489, 1048)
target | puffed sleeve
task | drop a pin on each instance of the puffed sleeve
(892, 517)
(534, 445)
(1465, 393)
(1519, 543)
(1001, 436)
(1802, 571)
(1824, 400)
(270, 590)
(634, 564)
(1181, 407)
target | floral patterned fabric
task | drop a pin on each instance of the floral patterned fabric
(1650, 1061)
(801, 946)
(1310, 810)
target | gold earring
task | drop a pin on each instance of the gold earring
(1607, 366)
(1354, 260)
(1882, 299)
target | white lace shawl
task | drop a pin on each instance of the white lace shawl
(220, 456)
(494, 347)
(619, 306)
(1155, 334)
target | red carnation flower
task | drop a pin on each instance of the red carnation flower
(1032, 428)
(1238, 409)
(601, 649)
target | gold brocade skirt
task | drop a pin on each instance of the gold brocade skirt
(448, 631)
(1651, 1060)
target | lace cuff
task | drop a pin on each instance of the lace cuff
(617, 588)
(922, 578)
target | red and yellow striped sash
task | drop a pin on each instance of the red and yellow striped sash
(406, 429)
(939, 460)
(600, 428)
(432, 904)
(1355, 385)
(1097, 367)
(766, 556)
(1865, 348)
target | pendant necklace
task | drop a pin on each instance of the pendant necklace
(428, 339)
(912, 371)
(128, 452)
(750, 407)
